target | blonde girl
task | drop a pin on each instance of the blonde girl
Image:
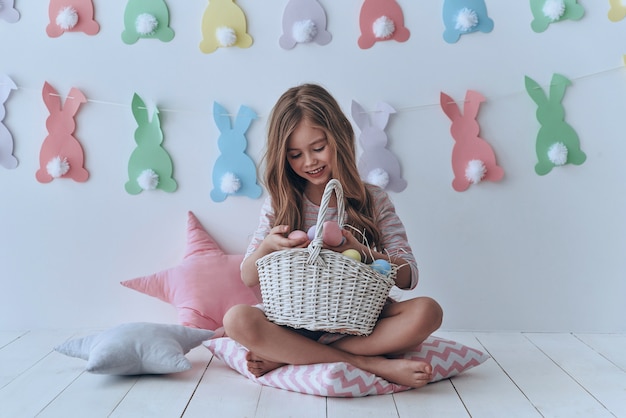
(310, 141)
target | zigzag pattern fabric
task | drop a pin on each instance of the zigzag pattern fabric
(447, 357)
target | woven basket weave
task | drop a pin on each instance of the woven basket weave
(320, 289)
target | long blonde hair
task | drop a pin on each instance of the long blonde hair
(313, 103)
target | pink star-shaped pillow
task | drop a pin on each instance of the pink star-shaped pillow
(203, 286)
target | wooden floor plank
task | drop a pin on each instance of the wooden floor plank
(89, 395)
(553, 392)
(278, 403)
(164, 396)
(381, 406)
(435, 400)
(600, 377)
(486, 390)
(25, 351)
(35, 388)
(611, 346)
(7, 337)
(223, 392)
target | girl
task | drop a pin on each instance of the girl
(310, 141)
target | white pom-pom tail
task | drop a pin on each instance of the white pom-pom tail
(304, 31)
(230, 183)
(557, 153)
(554, 9)
(378, 177)
(67, 18)
(466, 20)
(383, 27)
(148, 179)
(146, 24)
(226, 36)
(58, 167)
(475, 171)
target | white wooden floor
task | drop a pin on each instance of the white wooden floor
(529, 375)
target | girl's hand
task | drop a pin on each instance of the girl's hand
(277, 240)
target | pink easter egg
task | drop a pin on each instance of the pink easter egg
(297, 234)
(332, 234)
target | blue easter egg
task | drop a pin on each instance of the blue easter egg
(381, 267)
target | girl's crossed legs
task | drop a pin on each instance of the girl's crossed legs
(402, 327)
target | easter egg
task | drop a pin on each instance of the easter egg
(332, 234)
(311, 232)
(353, 254)
(297, 234)
(381, 267)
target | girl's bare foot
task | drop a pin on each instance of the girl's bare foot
(259, 366)
(411, 373)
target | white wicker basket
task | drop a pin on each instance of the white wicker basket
(320, 289)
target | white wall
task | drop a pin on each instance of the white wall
(529, 253)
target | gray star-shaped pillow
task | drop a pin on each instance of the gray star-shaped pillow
(137, 348)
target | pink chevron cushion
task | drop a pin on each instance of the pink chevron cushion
(447, 357)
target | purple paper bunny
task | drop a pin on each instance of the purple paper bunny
(377, 165)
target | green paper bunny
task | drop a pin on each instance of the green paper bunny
(555, 134)
(150, 166)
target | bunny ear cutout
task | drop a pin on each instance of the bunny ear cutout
(146, 20)
(224, 25)
(245, 116)
(360, 116)
(461, 18)
(304, 21)
(381, 20)
(150, 166)
(71, 16)
(546, 12)
(449, 106)
(61, 154)
(380, 117)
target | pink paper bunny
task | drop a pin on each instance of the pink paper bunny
(473, 160)
(377, 164)
(61, 154)
(71, 16)
(381, 20)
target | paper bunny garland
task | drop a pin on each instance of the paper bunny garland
(71, 16)
(377, 165)
(304, 21)
(381, 20)
(7, 159)
(224, 25)
(146, 19)
(150, 166)
(61, 154)
(473, 160)
(557, 142)
(234, 172)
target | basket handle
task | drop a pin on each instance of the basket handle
(316, 244)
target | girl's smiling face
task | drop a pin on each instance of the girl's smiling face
(309, 154)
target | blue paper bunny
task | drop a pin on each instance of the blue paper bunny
(234, 172)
